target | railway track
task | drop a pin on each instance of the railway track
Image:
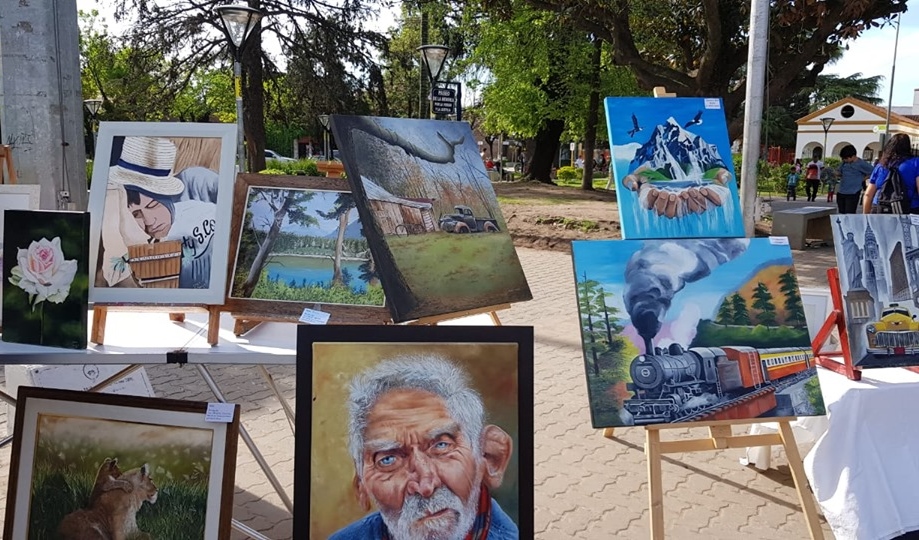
(745, 398)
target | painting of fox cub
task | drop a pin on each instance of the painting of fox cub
(113, 504)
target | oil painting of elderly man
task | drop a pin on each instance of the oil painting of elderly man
(160, 204)
(415, 440)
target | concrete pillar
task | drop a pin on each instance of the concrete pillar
(41, 101)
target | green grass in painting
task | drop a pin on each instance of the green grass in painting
(458, 271)
(268, 289)
(65, 469)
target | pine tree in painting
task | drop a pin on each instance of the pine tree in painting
(739, 307)
(725, 313)
(794, 308)
(762, 300)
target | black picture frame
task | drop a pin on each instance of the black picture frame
(333, 366)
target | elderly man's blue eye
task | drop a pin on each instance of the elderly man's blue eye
(386, 461)
(442, 445)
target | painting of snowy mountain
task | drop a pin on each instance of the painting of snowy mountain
(673, 169)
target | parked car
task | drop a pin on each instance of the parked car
(464, 221)
(271, 154)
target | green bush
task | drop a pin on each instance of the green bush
(89, 173)
(302, 167)
(568, 173)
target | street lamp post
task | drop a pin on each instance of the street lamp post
(433, 57)
(238, 22)
(92, 106)
(324, 121)
(827, 122)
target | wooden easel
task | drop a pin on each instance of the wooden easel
(6, 165)
(176, 314)
(492, 312)
(835, 361)
(720, 438)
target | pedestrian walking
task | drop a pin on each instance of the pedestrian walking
(852, 174)
(791, 186)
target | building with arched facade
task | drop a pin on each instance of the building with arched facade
(857, 123)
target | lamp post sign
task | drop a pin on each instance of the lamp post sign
(443, 100)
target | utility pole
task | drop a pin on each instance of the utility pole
(424, 110)
(753, 109)
(41, 99)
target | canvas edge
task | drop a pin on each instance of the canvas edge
(523, 336)
(215, 293)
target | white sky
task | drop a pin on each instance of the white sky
(872, 54)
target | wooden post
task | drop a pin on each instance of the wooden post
(100, 317)
(721, 437)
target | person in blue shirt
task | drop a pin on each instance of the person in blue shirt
(423, 454)
(897, 153)
(852, 174)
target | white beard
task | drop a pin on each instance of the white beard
(401, 524)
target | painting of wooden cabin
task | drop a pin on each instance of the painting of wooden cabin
(430, 215)
(398, 215)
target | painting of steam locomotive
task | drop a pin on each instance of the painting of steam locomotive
(878, 259)
(692, 329)
(672, 165)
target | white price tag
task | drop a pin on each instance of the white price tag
(778, 240)
(219, 412)
(312, 316)
(914, 220)
(712, 103)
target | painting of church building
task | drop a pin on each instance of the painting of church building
(878, 259)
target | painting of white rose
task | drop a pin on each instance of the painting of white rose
(43, 272)
(45, 259)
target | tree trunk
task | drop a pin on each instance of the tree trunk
(254, 97)
(255, 271)
(339, 243)
(593, 106)
(544, 149)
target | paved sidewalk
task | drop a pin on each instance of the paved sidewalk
(587, 487)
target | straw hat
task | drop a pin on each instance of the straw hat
(146, 162)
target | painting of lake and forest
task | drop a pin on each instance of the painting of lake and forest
(301, 245)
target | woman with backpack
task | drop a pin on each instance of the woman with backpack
(897, 155)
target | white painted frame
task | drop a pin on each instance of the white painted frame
(215, 294)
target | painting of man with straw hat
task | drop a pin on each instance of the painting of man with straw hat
(159, 224)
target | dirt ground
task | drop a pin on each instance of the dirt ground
(545, 216)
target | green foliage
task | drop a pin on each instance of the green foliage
(794, 308)
(762, 300)
(568, 174)
(710, 334)
(268, 289)
(739, 311)
(89, 173)
(302, 167)
(814, 395)
(583, 225)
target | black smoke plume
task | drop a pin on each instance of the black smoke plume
(662, 268)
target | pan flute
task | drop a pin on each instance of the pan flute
(156, 265)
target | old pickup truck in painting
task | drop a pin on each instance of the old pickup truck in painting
(896, 333)
(464, 221)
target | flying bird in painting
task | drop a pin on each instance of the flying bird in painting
(636, 127)
(695, 121)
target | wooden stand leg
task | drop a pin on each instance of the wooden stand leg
(801, 484)
(655, 483)
(721, 436)
(97, 334)
(494, 318)
(177, 317)
(213, 324)
(608, 432)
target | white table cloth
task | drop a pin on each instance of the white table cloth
(865, 469)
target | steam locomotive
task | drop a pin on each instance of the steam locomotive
(674, 381)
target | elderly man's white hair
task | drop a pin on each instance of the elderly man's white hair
(429, 373)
